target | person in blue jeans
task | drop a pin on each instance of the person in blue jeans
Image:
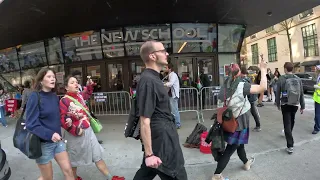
(3, 98)
(174, 90)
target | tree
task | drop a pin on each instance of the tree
(287, 25)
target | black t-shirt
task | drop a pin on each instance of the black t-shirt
(153, 103)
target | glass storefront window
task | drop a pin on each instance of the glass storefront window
(229, 37)
(32, 55)
(115, 75)
(194, 37)
(82, 46)
(224, 61)
(29, 75)
(184, 68)
(95, 73)
(9, 60)
(112, 43)
(205, 67)
(60, 75)
(54, 51)
(13, 78)
(135, 36)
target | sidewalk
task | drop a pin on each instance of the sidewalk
(124, 155)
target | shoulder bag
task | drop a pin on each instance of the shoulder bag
(27, 142)
(94, 123)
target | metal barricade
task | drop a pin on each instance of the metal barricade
(208, 99)
(189, 101)
(110, 103)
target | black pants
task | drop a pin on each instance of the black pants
(147, 173)
(255, 114)
(288, 114)
(230, 149)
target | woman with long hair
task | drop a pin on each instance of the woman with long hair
(83, 146)
(237, 90)
(275, 80)
(43, 120)
(270, 77)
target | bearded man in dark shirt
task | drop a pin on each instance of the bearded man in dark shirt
(162, 151)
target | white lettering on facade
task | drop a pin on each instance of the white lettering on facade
(118, 36)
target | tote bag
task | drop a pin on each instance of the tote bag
(94, 123)
(28, 143)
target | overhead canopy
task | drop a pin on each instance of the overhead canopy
(33, 20)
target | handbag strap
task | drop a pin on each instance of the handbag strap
(79, 104)
(25, 106)
(242, 107)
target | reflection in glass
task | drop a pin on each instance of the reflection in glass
(136, 70)
(54, 51)
(60, 74)
(135, 36)
(79, 69)
(194, 37)
(224, 61)
(112, 43)
(13, 78)
(32, 55)
(29, 75)
(9, 60)
(95, 73)
(205, 71)
(82, 46)
(183, 67)
(229, 37)
(115, 75)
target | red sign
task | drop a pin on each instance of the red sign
(11, 105)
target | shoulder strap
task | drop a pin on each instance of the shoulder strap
(24, 108)
(79, 104)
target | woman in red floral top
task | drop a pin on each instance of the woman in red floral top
(82, 144)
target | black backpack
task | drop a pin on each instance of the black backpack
(180, 81)
(251, 97)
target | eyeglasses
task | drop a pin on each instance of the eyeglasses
(161, 51)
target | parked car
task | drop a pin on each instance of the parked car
(5, 171)
(308, 79)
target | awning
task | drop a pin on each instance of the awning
(254, 68)
(310, 63)
(296, 64)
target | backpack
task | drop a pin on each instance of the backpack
(292, 90)
(251, 97)
(180, 81)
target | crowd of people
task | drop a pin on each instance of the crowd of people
(157, 109)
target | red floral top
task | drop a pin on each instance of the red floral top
(69, 109)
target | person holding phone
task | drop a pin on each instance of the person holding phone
(43, 120)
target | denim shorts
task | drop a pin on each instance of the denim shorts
(49, 150)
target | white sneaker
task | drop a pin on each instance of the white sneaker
(248, 165)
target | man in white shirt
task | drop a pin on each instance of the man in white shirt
(174, 85)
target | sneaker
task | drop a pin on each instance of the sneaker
(257, 129)
(78, 178)
(289, 150)
(117, 178)
(260, 105)
(218, 177)
(315, 132)
(248, 165)
(100, 141)
(269, 100)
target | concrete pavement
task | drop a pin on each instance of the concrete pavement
(124, 155)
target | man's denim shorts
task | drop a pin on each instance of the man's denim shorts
(49, 150)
